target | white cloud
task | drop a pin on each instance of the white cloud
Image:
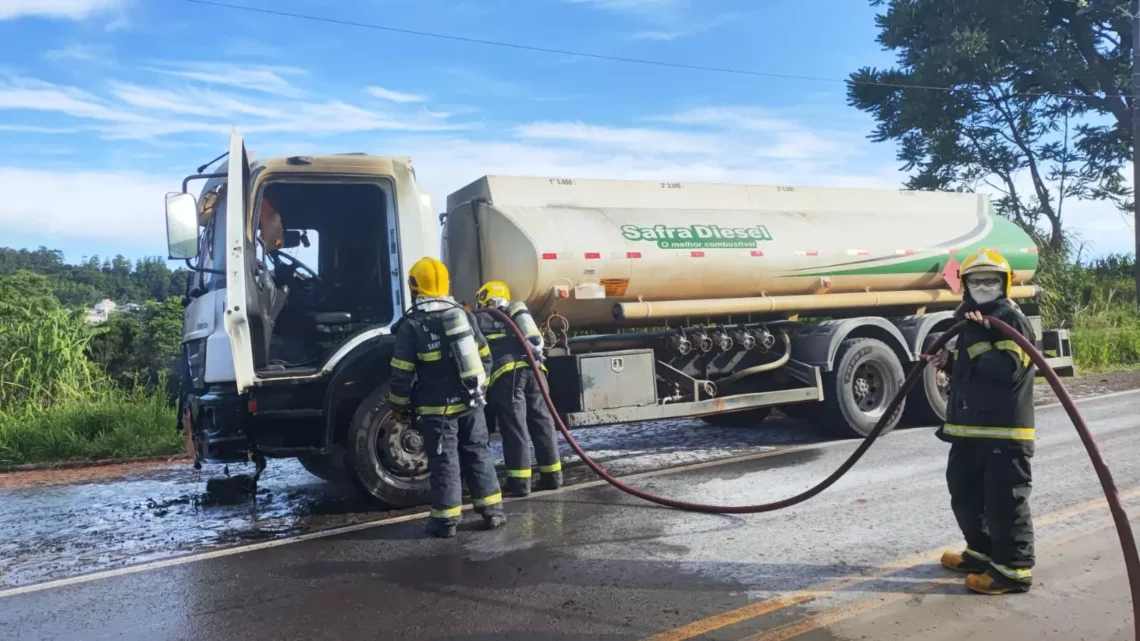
(262, 78)
(642, 141)
(59, 9)
(118, 207)
(395, 96)
(661, 36)
(630, 5)
(35, 95)
(35, 129)
(78, 52)
(188, 101)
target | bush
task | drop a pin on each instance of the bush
(119, 425)
(57, 404)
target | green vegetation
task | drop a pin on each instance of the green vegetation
(72, 391)
(1096, 300)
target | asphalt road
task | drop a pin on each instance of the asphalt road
(857, 562)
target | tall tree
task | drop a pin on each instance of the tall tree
(1025, 96)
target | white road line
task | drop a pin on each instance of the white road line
(216, 554)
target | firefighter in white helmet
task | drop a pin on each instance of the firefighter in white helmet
(515, 396)
(990, 426)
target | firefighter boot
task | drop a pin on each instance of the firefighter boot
(440, 529)
(995, 584)
(517, 487)
(492, 521)
(550, 480)
(964, 562)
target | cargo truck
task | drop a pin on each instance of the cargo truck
(658, 300)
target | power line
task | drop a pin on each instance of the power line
(638, 61)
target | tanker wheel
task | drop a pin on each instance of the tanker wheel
(746, 418)
(866, 376)
(926, 405)
(387, 459)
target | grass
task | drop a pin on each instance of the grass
(120, 425)
(57, 405)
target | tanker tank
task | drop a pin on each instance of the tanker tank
(589, 249)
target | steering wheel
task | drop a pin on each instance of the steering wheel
(294, 265)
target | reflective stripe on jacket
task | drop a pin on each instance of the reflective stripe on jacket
(991, 383)
(422, 372)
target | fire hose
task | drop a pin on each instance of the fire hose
(1111, 494)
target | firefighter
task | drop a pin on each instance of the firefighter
(440, 349)
(515, 393)
(990, 426)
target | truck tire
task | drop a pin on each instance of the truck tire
(866, 376)
(387, 460)
(327, 467)
(926, 405)
(746, 418)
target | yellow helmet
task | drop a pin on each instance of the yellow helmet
(987, 260)
(428, 277)
(492, 289)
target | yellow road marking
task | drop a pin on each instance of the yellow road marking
(841, 613)
(754, 610)
(725, 619)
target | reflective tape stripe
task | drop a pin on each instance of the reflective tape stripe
(985, 431)
(446, 513)
(977, 349)
(458, 330)
(485, 350)
(519, 474)
(441, 410)
(1016, 574)
(494, 499)
(549, 469)
(396, 399)
(509, 367)
(978, 555)
(495, 337)
(404, 365)
(429, 357)
(1014, 349)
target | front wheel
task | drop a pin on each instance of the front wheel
(387, 459)
(866, 377)
(927, 402)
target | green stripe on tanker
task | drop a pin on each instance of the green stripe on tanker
(1005, 236)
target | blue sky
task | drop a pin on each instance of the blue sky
(106, 104)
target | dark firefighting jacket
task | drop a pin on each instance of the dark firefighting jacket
(423, 373)
(991, 383)
(507, 354)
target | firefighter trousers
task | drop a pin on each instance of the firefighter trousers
(989, 493)
(522, 417)
(457, 451)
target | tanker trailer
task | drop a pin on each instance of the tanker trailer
(668, 300)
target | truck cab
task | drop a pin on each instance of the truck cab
(298, 276)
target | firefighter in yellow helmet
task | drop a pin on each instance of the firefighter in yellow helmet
(515, 395)
(990, 426)
(439, 372)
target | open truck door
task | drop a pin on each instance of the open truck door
(245, 276)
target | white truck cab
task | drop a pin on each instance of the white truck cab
(286, 353)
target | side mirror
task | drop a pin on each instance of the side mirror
(181, 226)
(294, 238)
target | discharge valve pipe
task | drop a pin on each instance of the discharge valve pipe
(1111, 494)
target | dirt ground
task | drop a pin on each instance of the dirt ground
(1079, 387)
(1093, 385)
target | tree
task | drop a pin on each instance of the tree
(26, 294)
(1034, 108)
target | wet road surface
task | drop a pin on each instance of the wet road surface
(59, 529)
(859, 561)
